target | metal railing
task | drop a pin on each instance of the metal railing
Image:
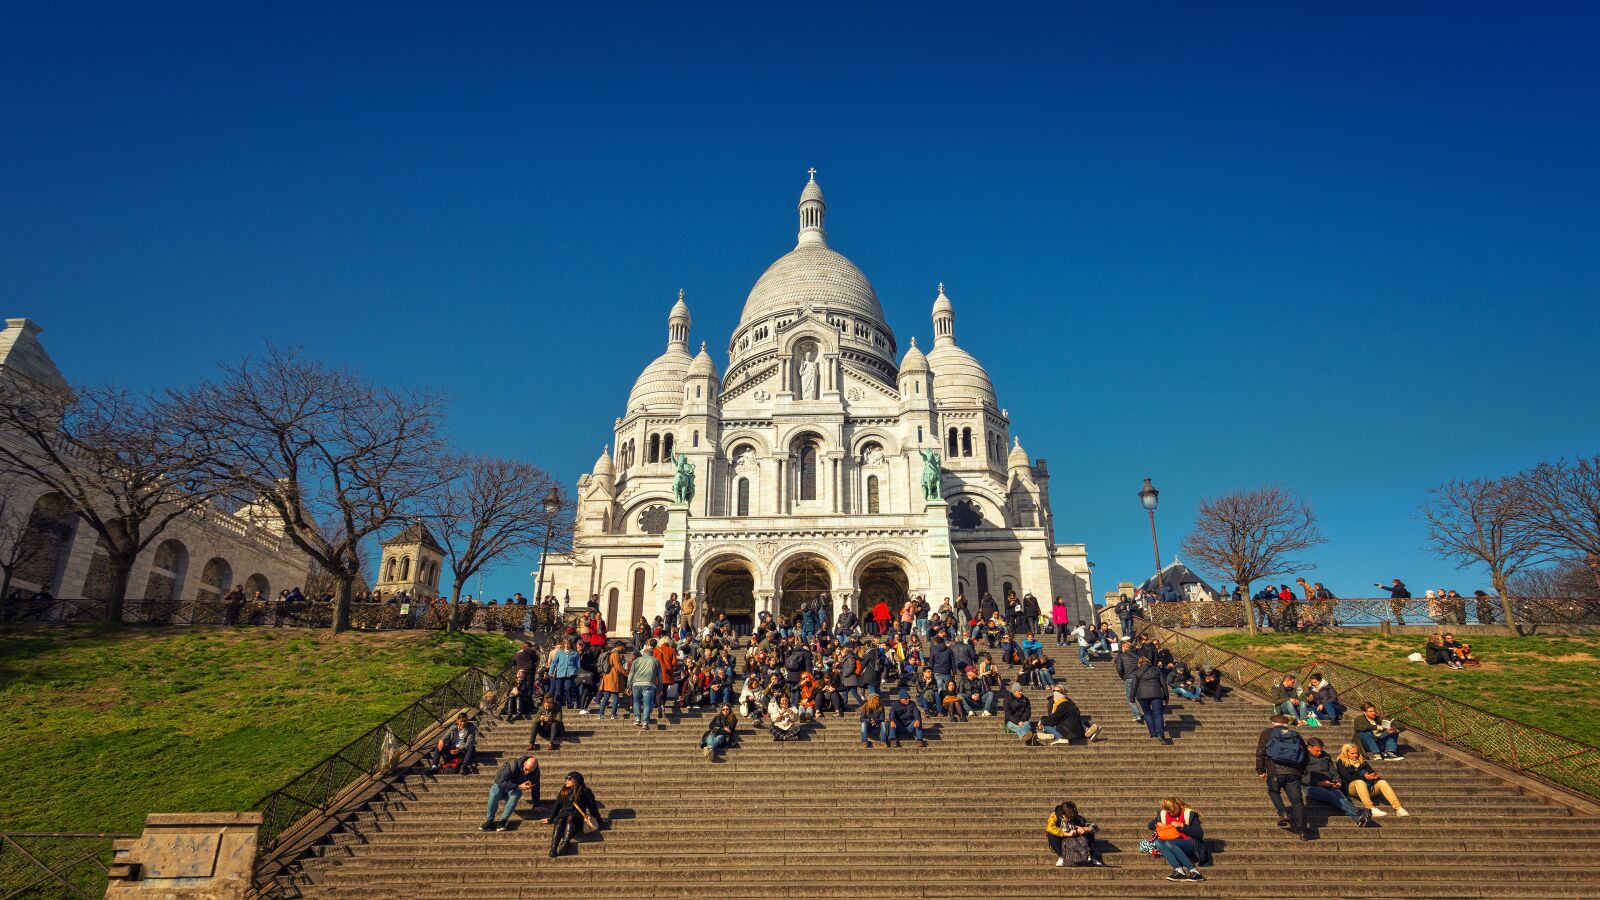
(272, 613)
(40, 865)
(1304, 614)
(1526, 749)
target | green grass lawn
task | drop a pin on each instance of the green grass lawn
(1550, 682)
(100, 727)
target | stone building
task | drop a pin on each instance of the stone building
(410, 563)
(808, 457)
(201, 555)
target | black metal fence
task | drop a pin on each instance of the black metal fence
(271, 613)
(1523, 748)
(36, 865)
(1304, 615)
(291, 814)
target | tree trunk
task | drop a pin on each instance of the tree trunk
(455, 602)
(1500, 588)
(5, 584)
(1249, 609)
(121, 571)
(341, 604)
(1592, 559)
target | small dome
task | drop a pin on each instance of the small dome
(942, 304)
(813, 191)
(914, 362)
(660, 385)
(702, 366)
(957, 377)
(1018, 459)
(680, 310)
(603, 466)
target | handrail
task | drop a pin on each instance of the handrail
(1372, 611)
(56, 863)
(1526, 749)
(313, 797)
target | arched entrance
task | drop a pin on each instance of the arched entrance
(166, 571)
(730, 590)
(43, 546)
(802, 578)
(882, 577)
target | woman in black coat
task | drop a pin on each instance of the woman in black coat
(574, 805)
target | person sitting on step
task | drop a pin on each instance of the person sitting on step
(1181, 682)
(830, 697)
(977, 698)
(950, 701)
(547, 722)
(722, 733)
(575, 811)
(1019, 715)
(1031, 646)
(455, 746)
(1323, 699)
(753, 698)
(1323, 785)
(905, 719)
(1180, 840)
(1361, 781)
(926, 692)
(517, 776)
(1289, 701)
(785, 720)
(807, 707)
(874, 721)
(1379, 738)
(1071, 836)
(1211, 683)
(1064, 722)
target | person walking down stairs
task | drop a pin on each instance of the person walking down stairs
(1281, 759)
(575, 811)
(1149, 687)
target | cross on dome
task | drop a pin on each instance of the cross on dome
(813, 173)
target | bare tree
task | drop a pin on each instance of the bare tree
(1566, 579)
(110, 453)
(1485, 520)
(493, 508)
(23, 542)
(1251, 535)
(1564, 501)
(336, 457)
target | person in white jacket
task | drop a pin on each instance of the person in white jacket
(785, 722)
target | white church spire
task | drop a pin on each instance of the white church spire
(944, 319)
(678, 324)
(812, 212)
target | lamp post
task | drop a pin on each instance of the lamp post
(552, 505)
(1147, 497)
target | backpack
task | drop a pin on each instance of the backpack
(1286, 748)
(796, 662)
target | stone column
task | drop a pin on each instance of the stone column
(186, 856)
(672, 573)
(938, 552)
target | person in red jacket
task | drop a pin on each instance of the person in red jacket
(881, 617)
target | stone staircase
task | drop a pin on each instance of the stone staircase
(963, 817)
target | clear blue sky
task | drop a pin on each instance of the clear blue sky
(1351, 251)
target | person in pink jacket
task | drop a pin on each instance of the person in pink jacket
(1058, 618)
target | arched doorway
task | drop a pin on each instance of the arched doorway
(166, 571)
(255, 584)
(730, 590)
(216, 580)
(882, 577)
(44, 544)
(803, 577)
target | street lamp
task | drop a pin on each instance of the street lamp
(1147, 497)
(552, 505)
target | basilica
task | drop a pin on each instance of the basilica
(825, 459)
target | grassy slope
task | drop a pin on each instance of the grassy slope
(1545, 681)
(98, 728)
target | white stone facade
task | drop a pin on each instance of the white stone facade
(808, 465)
(202, 555)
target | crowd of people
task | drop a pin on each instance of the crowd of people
(898, 677)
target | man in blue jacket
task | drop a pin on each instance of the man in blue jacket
(942, 660)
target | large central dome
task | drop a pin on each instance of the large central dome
(811, 273)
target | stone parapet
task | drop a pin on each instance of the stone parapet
(186, 856)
